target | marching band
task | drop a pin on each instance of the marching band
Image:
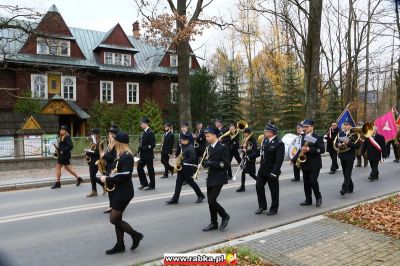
(213, 149)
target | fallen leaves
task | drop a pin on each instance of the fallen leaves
(382, 216)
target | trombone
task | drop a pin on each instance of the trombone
(203, 157)
(240, 126)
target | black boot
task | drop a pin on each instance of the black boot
(56, 185)
(118, 248)
(241, 189)
(79, 181)
(136, 238)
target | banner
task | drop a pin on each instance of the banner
(386, 125)
(398, 121)
(345, 116)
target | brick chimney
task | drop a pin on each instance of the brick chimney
(136, 29)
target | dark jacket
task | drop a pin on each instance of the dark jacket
(168, 143)
(251, 153)
(329, 140)
(178, 146)
(110, 156)
(147, 143)
(272, 155)
(351, 153)
(201, 141)
(234, 144)
(64, 147)
(373, 154)
(189, 157)
(217, 164)
(313, 160)
(222, 131)
(123, 183)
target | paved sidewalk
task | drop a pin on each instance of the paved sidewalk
(327, 242)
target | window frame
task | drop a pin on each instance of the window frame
(137, 92)
(46, 89)
(101, 91)
(174, 91)
(171, 60)
(73, 78)
(44, 47)
(124, 57)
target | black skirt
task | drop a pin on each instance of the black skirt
(63, 161)
(119, 205)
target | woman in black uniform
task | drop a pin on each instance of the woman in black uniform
(64, 155)
(121, 179)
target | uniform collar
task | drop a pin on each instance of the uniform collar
(213, 145)
(269, 140)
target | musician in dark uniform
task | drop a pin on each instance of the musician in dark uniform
(375, 147)
(122, 194)
(216, 162)
(184, 130)
(296, 170)
(189, 167)
(166, 150)
(93, 155)
(110, 156)
(249, 149)
(63, 159)
(146, 151)
(359, 156)
(313, 164)
(233, 145)
(221, 130)
(347, 157)
(272, 152)
(199, 140)
(330, 137)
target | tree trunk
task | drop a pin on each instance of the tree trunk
(312, 57)
(397, 77)
(349, 71)
(182, 48)
(367, 63)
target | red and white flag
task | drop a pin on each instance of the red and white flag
(386, 125)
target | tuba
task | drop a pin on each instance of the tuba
(354, 136)
(367, 130)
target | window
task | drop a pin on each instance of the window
(173, 60)
(68, 88)
(174, 93)
(39, 86)
(117, 59)
(53, 47)
(132, 93)
(106, 91)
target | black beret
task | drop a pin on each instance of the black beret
(63, 127)
(145, 120)
(271, 127)
(122, 137)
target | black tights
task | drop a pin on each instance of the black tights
(120, 226)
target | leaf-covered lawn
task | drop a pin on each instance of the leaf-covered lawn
(382, 216)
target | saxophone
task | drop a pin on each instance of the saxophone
(101, 163)
(178, 164)
(302, 157)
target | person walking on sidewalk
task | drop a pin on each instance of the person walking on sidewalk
(249, 149)
(166, 149)
(110, 156)
(63, 157)
(189, 166)
(272, 152)
(146, 152)
(93, 155)
(347, 156)
(312, 147)
(330, 137)
(375, 148)
(121, 182)
(217, 163)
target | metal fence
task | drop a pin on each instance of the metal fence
(43, 146)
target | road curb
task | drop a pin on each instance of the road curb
(273, 230)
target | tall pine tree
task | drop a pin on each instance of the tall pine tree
(262, 107)
(229, 101)
(292, 99)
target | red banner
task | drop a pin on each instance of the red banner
(386, 125)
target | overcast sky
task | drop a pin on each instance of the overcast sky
(101, 15)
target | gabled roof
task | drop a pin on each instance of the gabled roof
(71, 104)
(107, 42)
(13, 123)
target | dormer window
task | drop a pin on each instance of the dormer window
(173, 60)
(117, 59)
(50, 46)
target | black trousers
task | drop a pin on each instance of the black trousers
(374, 169)
(397, 151)
(347, 167)
(296, 172)
(150, 169)
(273, 184)
(388, 144)
(334, 165)
(250, 168)
(233, 153)
(178, 186)
(165, 162)
(93, 178)
(213, 205)
(310, 179)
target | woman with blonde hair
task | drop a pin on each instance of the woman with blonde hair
(121, 181)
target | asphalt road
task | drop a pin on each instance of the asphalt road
(63, 227)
